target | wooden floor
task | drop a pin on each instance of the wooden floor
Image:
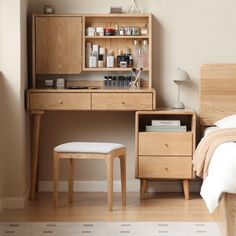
(93, 207)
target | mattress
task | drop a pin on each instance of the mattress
(221, 173)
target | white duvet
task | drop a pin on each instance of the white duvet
(221, 175)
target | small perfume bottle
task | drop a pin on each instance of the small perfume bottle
(100, 61)
(110, 60)
(117, 32)
(119, 58)
(93, 60)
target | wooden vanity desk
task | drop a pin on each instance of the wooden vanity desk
(40, 101)
(60, 50)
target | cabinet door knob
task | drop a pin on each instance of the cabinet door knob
(166, 145)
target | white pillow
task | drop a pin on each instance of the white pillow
(227, 122)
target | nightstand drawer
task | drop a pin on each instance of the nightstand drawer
(59, 101)
(165, 143)
(176, 167)
(122, 101)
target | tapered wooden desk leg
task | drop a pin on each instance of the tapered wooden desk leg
(143, 188)
(186, 188)
(34, 150)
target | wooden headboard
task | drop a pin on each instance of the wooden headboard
(217, 92)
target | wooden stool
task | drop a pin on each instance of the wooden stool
(94, 151)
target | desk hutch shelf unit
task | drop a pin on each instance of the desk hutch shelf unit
(165, 155)
(59, 43)
(116, 43)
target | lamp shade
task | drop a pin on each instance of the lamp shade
(180, 75)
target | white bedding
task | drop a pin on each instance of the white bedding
(221, 175)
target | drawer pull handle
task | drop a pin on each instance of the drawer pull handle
(166, 145)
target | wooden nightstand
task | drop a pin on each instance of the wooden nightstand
(165, 154)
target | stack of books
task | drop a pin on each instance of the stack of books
(166, 126)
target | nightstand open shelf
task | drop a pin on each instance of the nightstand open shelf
(165, 154)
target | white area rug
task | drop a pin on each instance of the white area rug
(110, 229)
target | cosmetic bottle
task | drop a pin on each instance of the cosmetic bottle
(110, 60)
(119, 58)
(135, 52)
(145, 50)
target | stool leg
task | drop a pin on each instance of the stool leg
(123, 178)
(55, 179)
(71, 179)
(109, 167)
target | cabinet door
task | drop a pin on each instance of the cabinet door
(58, 44)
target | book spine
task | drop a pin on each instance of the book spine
(165, 122)
(166, 128)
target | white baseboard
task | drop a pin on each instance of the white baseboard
(15, 202)
(132, 186)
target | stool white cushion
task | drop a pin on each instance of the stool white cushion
(88, 147)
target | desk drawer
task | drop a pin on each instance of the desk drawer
(165, 143)
(122, 101)
(59, 101)
(177, 167)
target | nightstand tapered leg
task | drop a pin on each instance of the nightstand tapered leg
(143, 188)
(186, 188)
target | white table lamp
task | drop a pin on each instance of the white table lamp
(179, 76)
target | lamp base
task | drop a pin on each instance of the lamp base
(178, 105)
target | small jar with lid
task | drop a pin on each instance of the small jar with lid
(108, 32)
(144, 30)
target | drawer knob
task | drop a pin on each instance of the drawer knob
(166, 145)
(61, 102)
(166, 169)
(123, 103)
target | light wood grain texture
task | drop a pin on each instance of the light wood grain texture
(217, 100)
(92, 207)
(123, 178)
(36, 120)
(143, 188)
(124, 101)
(174, 167)
(165, 155)
(58, 43)
(217, 92)
(90, 99)
(165, 143)
(60, 101)
(107, 157)
(186, 188)
(225, 214)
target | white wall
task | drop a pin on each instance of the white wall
(13, 66)
(186, 33)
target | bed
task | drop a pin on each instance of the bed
(218, 100)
